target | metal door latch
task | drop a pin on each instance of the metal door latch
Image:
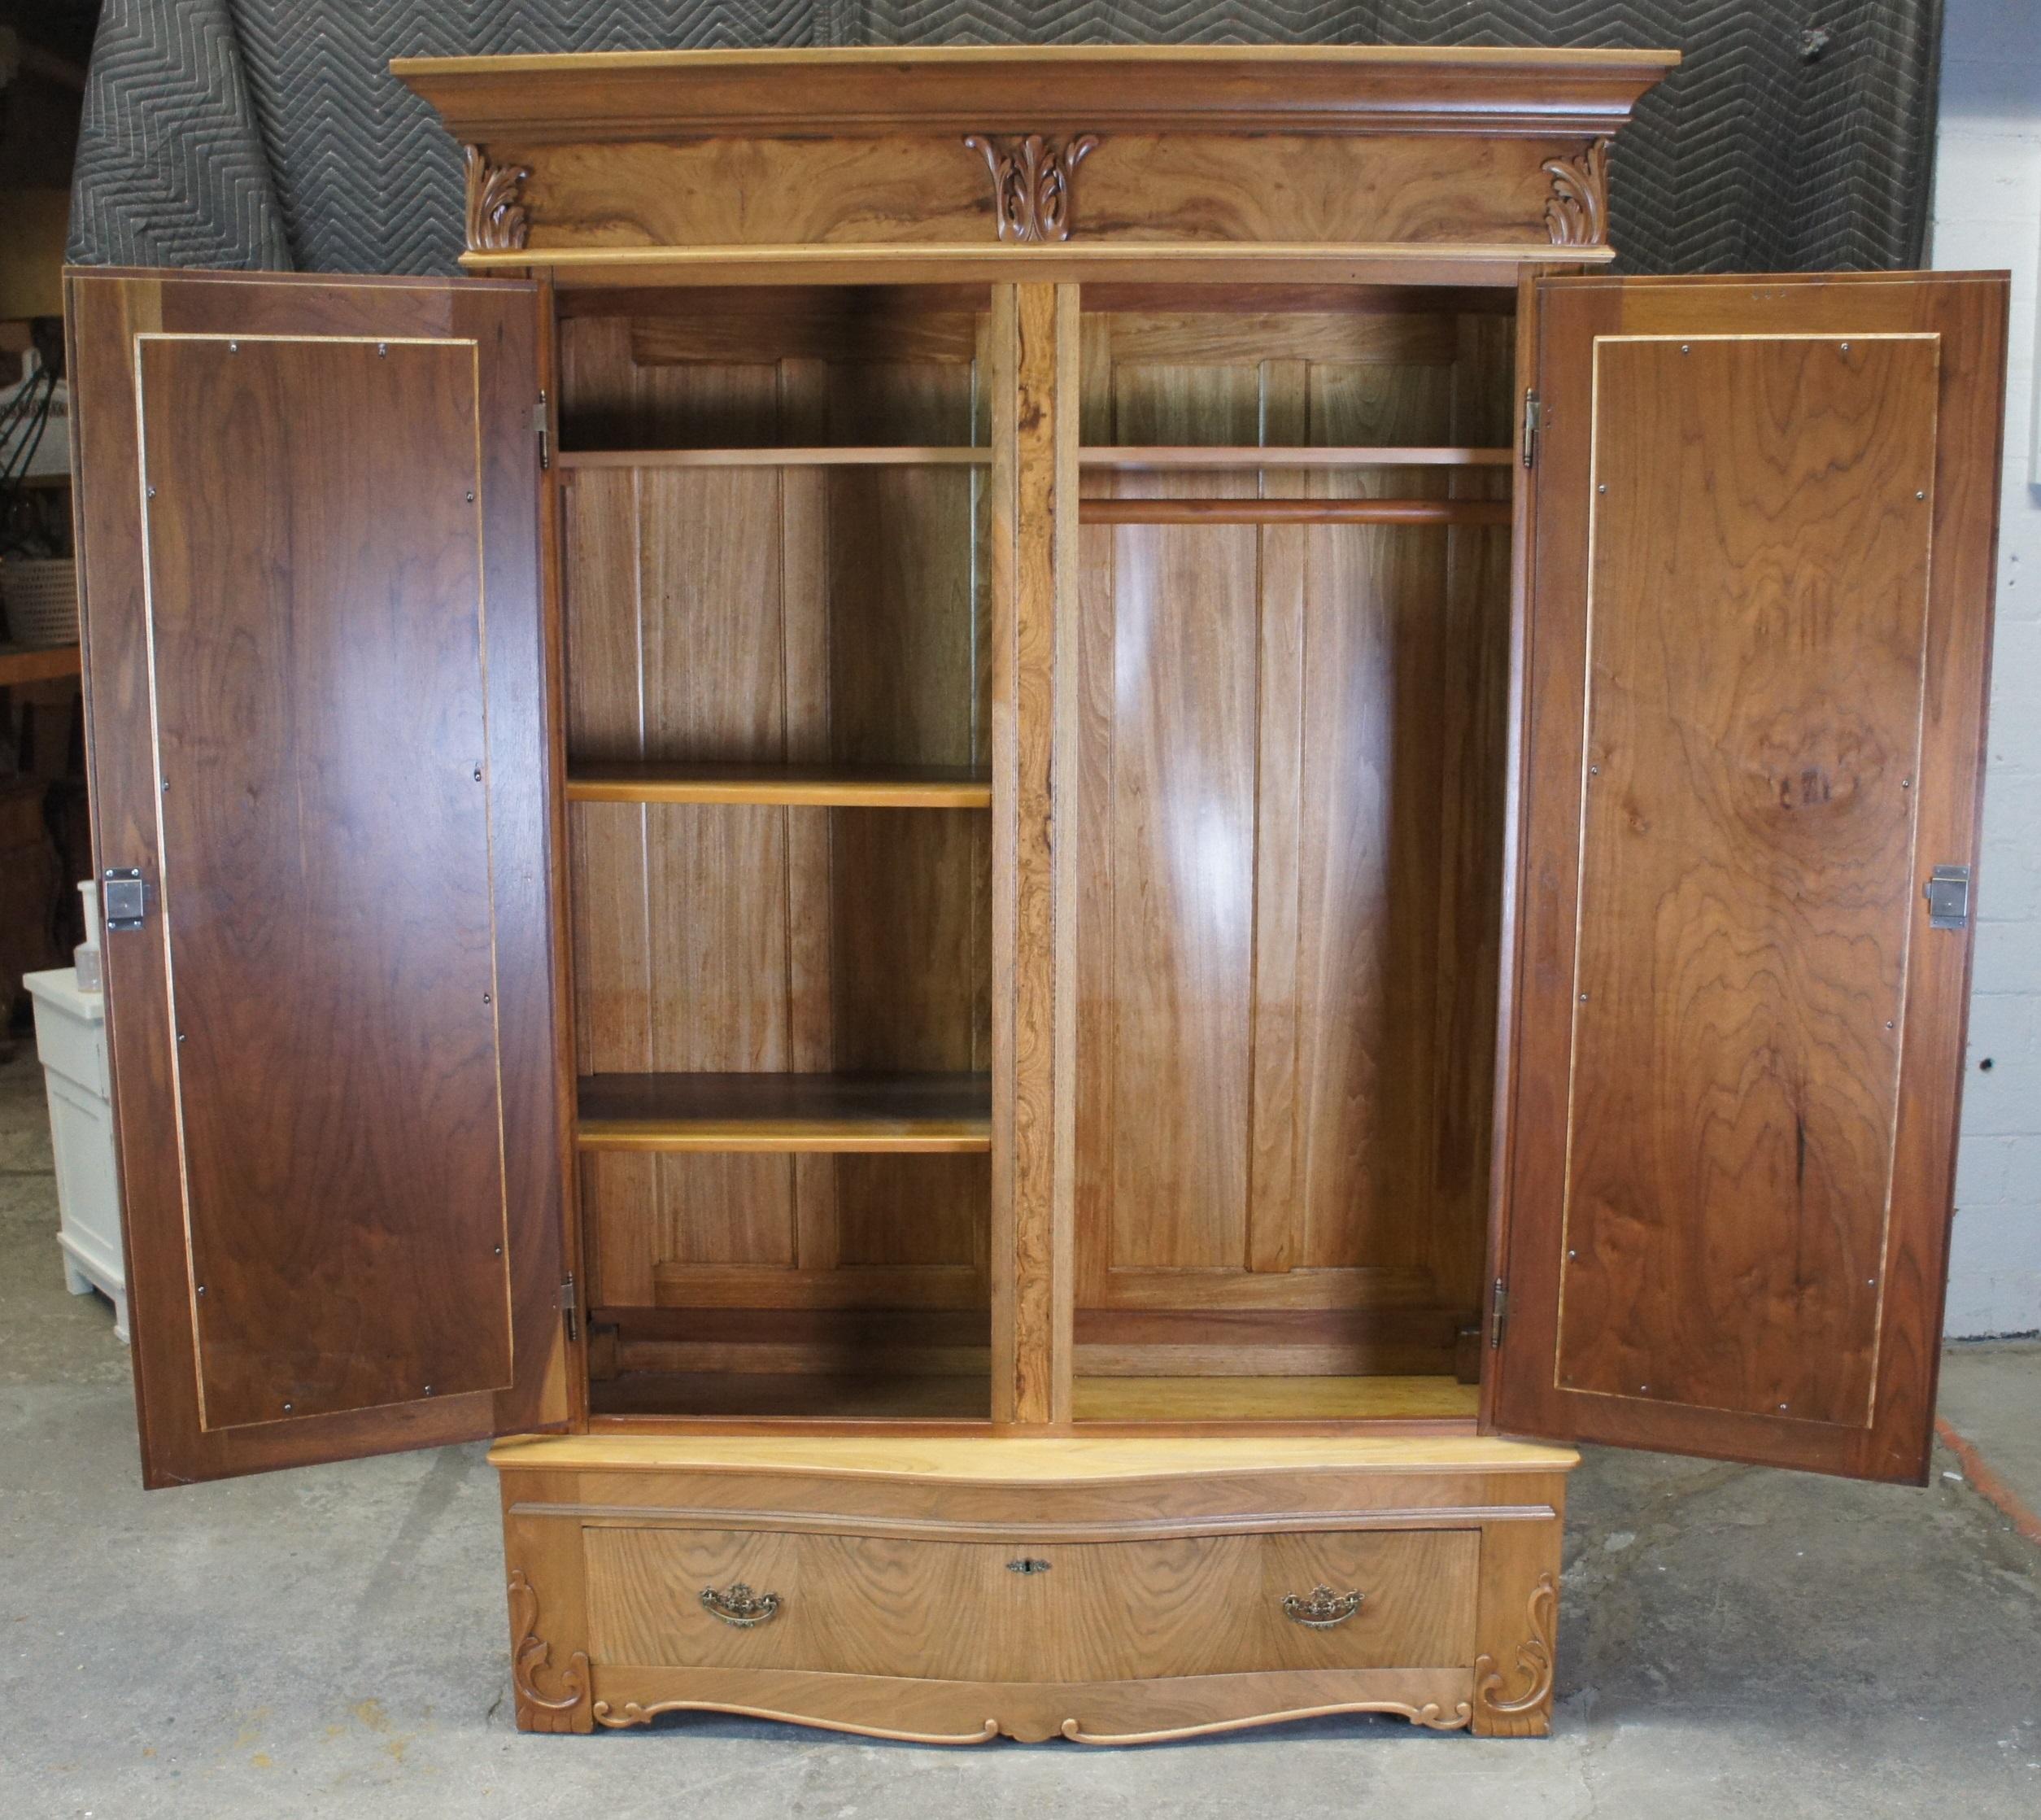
(1948, 892)
(123, 897)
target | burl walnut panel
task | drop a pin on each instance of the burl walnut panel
(920, 188)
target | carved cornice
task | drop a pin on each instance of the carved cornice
(529, 1655)
(1032, 183)
(496, 219)
(1533, 1660)
(1577, 214)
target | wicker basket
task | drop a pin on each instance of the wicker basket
(40, 596)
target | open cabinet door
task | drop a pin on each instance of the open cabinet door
(1759, 619)
(308, 518)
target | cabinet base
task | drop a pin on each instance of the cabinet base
(952, 1591)
(1086, 1711)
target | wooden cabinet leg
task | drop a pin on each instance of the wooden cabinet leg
(1517, 1628)
(548, 1627)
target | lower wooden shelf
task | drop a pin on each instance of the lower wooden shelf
(786, 1112)
(802, 1396)
(1262, 1399)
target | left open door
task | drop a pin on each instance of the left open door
(309, 546)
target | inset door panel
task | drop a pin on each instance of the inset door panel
(1754, 675)
(1758, 614)
(315, 627)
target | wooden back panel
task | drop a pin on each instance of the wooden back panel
(1289, 829)
(802, 615)
(1760, 615)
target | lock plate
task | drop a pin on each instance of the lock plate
(1948, 892)
(122, 897)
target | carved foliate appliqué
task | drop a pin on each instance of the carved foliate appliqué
(530, 1657)
(1530, 1686)
(1577, 213)
(1032, 183)
(496, 219)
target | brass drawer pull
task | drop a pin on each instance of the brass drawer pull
(1323, 1610)
(740, 1605)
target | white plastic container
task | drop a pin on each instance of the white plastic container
(71, 1039)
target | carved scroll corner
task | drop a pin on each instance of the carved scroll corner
(1033, 182)
(530, 1657)
(497, 220)
(1576, 214)
(1493, 1697)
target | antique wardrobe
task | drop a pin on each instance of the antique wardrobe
(1037, 848)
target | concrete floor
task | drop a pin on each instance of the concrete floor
(331, 1642)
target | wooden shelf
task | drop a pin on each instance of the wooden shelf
(40, 666)
(786, 1112)
(794, 1396)
(1248, 511)
(1163, 457)
(801, 786)
(1297, 1399)
(889, 457)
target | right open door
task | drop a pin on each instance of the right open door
(1754, 668)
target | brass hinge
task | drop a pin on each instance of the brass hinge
(1533, 415)
(568, 1306)
(538, 423)
(1498, 1311)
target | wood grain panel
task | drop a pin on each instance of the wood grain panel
(1747, 892)
(1133, 187)
(305, 678)
(1032, 549)
(1779, 1209)
(1343, 682)
(1114, 1611)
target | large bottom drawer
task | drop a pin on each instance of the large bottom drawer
(685, 1597)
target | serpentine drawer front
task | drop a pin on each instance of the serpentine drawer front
(978, 1611)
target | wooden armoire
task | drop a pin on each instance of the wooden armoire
(1037, 848)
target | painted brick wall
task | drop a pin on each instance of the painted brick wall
(1987, 213)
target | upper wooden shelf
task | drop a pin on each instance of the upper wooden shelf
(847, 457)
(1164, 456)
(1250, 510)
(40, 666)
(873, 92)
(798, 786)
(785, 1112)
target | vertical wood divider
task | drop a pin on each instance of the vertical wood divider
(1034, 569)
